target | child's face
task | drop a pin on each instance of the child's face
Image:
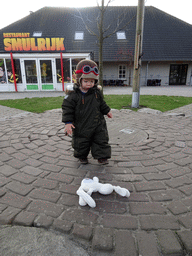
(87, 83)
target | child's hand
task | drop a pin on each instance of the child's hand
(69, 129)
(110, 115)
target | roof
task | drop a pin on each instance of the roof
(165, 38)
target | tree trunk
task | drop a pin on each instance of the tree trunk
(101, 46)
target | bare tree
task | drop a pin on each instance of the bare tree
(104, 31)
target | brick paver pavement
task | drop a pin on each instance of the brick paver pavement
(151, 156)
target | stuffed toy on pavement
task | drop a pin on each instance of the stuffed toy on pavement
(88, 186)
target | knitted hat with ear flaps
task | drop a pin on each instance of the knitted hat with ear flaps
(80, 65)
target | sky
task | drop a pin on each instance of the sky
(13, 10)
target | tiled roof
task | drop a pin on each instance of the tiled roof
(165, 37)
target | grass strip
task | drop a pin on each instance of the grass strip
(40, 105)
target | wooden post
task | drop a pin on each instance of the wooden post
(138, 53)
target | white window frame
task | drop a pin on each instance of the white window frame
(79, 36)
(121, 35)
(123, 75)
(37, 33)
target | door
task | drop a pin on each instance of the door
(47, 74)
(30, 74)
(178, 74)
(39, 74)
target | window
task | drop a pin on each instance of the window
(121, 35)
(37, 33)
(79, 35)
(66, 70)
(2, 72)
(122, 71)
(74, 64)
(17, 71)
(178, 74)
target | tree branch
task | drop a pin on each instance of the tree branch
(118, 28)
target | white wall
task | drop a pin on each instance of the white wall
(155, 70)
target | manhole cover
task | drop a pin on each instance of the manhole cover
(126, 135)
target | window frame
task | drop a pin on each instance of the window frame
(121, 35)
(124, 67)
(77, 36)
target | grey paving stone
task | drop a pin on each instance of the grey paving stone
(119, 221)
(4, 144)
(8, 215)
(138, 197)
(83, 217)
(33, 162)
(128, 177)
(146, 208)
(45, 207)
(143, 170)
(51, 167)
(19, 156)
(188, 150)
(147, 244)
(2, 207)
(176, 172)
(165, 195)
(16, 163)
(65, 163)
(110, 207)
(186, 220)
(165, 167)
(177, 207)
(69, 200)
(7, 170)
(169, 243)
(153, 162)
(43, 221)
(45, 183)
(149, 186)
(180, 144)
(124, 243)
(4, 157)
(178, 182)
(157, 176)
(50, 160)
(44, 194)
(188, 202)
(186, 238)
(183, 161)
(103, 239)
(73, 171)
(18, 146)
(19, 188)
(3, 181)
(158, 222)
(34, 171)
(62, 225)
(24, 218)
(84, 232)
(15, 200)
(31, 146)
(60, 177)
(24, 178)
(69, 189)
(129, 164)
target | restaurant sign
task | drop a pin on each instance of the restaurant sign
(22, 42)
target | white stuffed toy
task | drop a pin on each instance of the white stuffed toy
(88, 186)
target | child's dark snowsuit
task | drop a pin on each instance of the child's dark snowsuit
(86, 112)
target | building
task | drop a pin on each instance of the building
(40, 51)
